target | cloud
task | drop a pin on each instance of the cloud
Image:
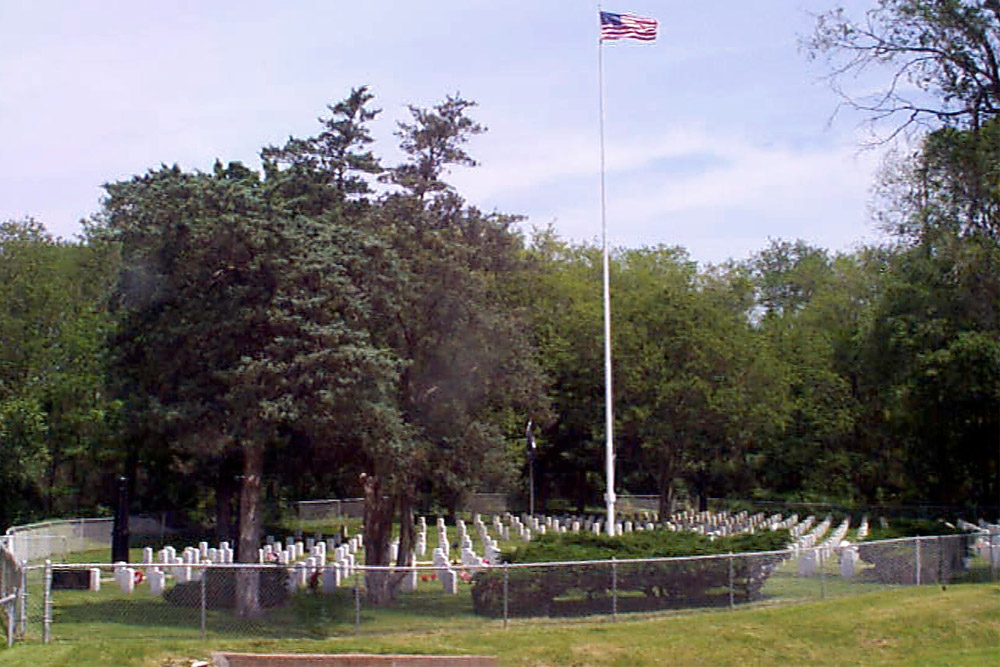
(721, 195)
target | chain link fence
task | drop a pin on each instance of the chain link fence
(11, 585)
(59, 538)
(76, 602)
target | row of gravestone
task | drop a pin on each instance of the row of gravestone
(987, 540)
(308, 561)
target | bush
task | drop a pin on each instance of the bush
(910, 528)
(585, 587)
(644, 544)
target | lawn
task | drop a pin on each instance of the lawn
(914, 625)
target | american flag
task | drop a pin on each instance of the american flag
(627, 26)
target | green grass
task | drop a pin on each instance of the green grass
(914, 626)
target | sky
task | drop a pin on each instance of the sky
(719, 136)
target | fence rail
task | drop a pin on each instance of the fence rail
(318, 599)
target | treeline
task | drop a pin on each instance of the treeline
(333, 326)
(409, 337)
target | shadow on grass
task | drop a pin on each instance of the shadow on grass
(303, 616)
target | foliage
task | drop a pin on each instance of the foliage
(934, 348)
(642, 544)
(897, 528)
(670, 583)
(239, 323)
(942, 55)
(53, 413)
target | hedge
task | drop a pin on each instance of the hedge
(586, 588)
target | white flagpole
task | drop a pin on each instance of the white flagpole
(609, 447)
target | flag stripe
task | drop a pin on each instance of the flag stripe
(627, 26)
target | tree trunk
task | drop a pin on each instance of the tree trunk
(665, 475)
(406, 536)
(668, 500)
(225, 491)
(248, 580)
(378, 529)
(702, 492)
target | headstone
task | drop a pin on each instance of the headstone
(157, 581)
(95, 579)
(331, 579)
(449, 579)
(848, 559)
(127, 580)
(807, 563)
(71, 580)
(409, 583)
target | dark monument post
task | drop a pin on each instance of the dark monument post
(120, 532)
(239, 519)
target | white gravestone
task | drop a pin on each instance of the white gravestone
(157, 581)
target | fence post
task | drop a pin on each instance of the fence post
(47, 604)
(357, 602)
(822, 574)
(731, 604)
(505, 584)
(204, 577)
(11, 604)
(22, 616)
(614, 588)
(994, 561)
(940, 549)
(917, 557)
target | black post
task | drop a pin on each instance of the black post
(239, 519)
(120, 531)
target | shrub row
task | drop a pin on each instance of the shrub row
(644, 544)
(585, 589)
